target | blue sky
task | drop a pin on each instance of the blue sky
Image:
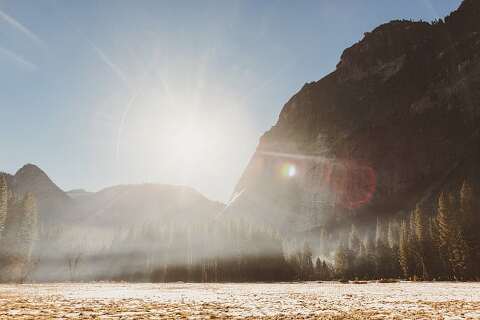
(99, 93)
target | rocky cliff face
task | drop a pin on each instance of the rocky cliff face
(395, 122)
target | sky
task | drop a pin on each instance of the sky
(99, 93)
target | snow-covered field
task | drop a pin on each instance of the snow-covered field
(310, 300)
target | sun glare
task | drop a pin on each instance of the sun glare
(192, 145)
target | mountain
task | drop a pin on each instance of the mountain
(53, 203)
(146, 203)
(78, 193)
(118, 206)
(396, 122)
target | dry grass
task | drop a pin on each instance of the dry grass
(241, 301)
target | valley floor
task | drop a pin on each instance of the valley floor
(310, 300)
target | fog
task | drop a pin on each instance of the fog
(156, 251)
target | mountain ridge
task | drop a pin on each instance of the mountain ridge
(108, 206)
(365, 139)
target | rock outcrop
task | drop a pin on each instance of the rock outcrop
(396, 121)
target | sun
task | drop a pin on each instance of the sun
(191, 145)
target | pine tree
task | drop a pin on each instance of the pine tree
(422, 241)
(466, 203)
(3, 203)
(420, 223)
(27, 233)
(341, 262)
(469, 226)
(384, 260)
(353, 241)
(391, 236)
(452, 243)
(20, 235)
(437, 264)
(459, 259)
(306, 264)
(362, 264)
(383, 253)
(318, 268)
(370, 258)
(380, 235)
(344, 262)
(446, 234)
(393, 240)
(321, 270)
(326, 274)
(405, 259)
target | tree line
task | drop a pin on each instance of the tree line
(438, 242)
(18, 233)
(444, 245)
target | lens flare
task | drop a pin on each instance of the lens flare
(351, 184)
(292, 171)
(288, 170)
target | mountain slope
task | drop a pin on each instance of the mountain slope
(395, 122)
(147, 203)
(118, 206)
(54, 205)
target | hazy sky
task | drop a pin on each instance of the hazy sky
(112, 92)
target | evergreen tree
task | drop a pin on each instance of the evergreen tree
(326, 273)
(422, 241)
(405, 258)
(344, 259)
(469, 228)
(438, 268)
(466, 204)
(445, 223)
(413, 246)
(459, 257)
(27, 233)
(19, 237)
(322, 270)
(354, 241)
(3, 203)
(384, 260)
(362, 267)
(383, 253)
(393, 240)
(370, 258)
(341, 262)
(392, 237)
(380, 235)
(318, 268)
(306, 264)
(452, 242)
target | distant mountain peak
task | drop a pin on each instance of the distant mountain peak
(30, 169)
(52, 201)
(32, 177)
